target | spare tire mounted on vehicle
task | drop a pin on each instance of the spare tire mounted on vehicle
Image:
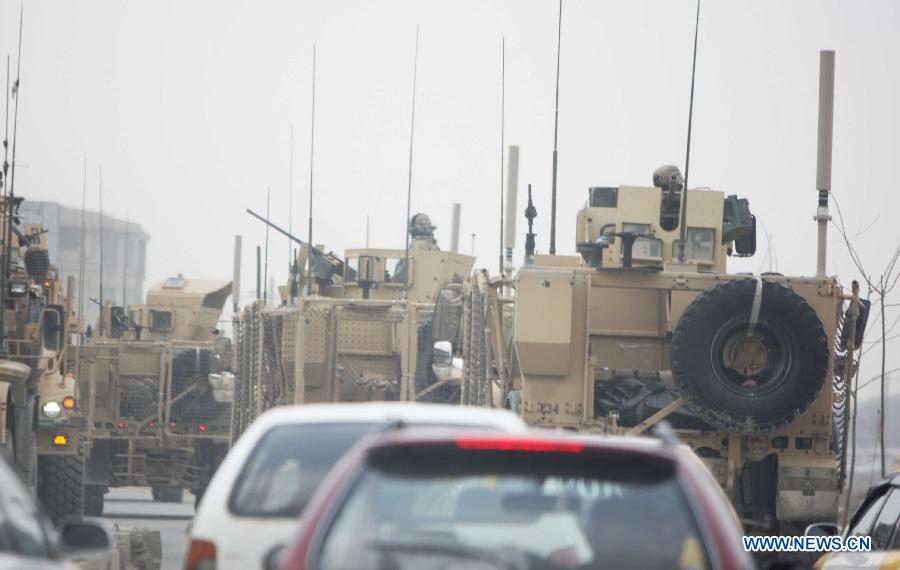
(749, 378)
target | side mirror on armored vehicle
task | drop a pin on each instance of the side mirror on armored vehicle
(53, 334)
(444, 365)
(442, 355)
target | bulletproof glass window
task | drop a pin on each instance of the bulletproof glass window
(394, 270)
(351, 268)
(161, 320)
(600, 197)
(174, 283)
(644, 247)
(701, 244)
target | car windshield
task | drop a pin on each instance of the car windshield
(288, 464)
(421, 508)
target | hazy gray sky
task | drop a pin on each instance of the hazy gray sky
(187, 106)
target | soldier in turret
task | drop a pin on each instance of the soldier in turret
(421, 231)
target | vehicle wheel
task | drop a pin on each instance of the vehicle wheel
(749, 382)
(93, 500)
(61, 485)
(168, 494)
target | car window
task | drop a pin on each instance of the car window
(290, 461)
(23, 529)
(895, 542)
(288, 464)
(483, 509)
(886, 521)
(863, 526)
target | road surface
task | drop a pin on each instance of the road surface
(133, 507)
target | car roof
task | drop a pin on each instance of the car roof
(417, 413)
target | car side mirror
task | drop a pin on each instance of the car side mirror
(822, 529)
(86, 535)
(272, 560)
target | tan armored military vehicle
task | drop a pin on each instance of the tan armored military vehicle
(646, 325)
(363, 332)
(39, 412)
(152, 416)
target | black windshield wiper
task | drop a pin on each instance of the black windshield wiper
(452, 549)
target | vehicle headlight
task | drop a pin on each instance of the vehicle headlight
(51, 409)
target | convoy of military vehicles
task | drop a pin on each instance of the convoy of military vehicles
(645, 325)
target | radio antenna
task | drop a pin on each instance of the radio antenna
(266, 269)
(100, 195)
(6, 208)
(502, 137)
(291, 261)
(15, 95)
(6, 136)
(81, 256)
(412, 130)
(312, 146)
(125, 263)
(687, 159)
(555, 136)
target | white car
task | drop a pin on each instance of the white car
(255, 500)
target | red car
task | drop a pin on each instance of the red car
(417, 499)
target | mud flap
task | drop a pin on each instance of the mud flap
(97, 464)
(806, 494)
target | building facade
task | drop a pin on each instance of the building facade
(123, 247)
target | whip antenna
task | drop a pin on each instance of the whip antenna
(10, 192)
(555, 136)
(502, 137)
(291, 261)
(125, 263)
(266, 270)
(687, 159)
(312, 146)
(100, 197)
(412, 130)
(6, 134)
(6, 208)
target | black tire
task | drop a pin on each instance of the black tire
(168, 494)
(138, 397)
(61, 485)
(93, 500)
(790, 366)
